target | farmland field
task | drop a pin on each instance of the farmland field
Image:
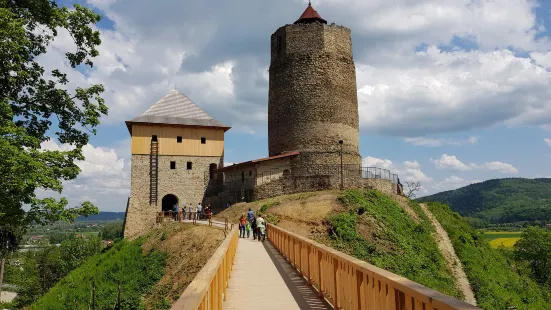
(502, 238)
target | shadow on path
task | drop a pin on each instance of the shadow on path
(305, 295)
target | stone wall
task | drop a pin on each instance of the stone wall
(187, 185)
(312, 100)
(382, 185)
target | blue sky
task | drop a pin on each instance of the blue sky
(450, 91)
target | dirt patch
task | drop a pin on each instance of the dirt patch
(446, 247)
(311, 207)
(188, 248)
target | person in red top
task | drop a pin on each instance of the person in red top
(242, 223)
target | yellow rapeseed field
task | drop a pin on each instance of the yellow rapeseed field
(506, 242)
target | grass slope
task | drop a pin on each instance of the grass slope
(153, 271)
(500, 200)
(498, 282)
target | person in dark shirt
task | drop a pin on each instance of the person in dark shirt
(254, 228)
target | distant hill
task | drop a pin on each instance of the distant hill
(102, 216)
(500, 200)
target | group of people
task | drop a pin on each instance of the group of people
(251, 223)
(198, 212)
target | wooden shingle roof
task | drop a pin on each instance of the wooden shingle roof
(176, 109)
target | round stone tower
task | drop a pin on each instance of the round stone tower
(312, 101)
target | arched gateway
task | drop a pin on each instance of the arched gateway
(168, 202)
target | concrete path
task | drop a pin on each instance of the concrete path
(262, 279)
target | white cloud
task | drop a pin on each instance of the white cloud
(451, 183)
(451, 162)
(104, 179)
(433, 142)
(407, 171)
(548, 141)
(401, 91)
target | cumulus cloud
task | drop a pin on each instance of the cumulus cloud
(451, 162)
(433, 142)
(104, 179)
(407, 170)
(451, 183)
(402, 90)
(548, 141)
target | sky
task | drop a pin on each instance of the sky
(450, 92)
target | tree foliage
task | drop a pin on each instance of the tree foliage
(534, 246)
(501, 200)
(42, 269)
(36, 105)
(112, 230)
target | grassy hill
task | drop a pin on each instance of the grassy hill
(500, 200)
(153, 271)
(395, 234)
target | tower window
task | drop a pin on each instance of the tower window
(154, 138)
(189, 165)
(242, 176)
(203, 140)
(279, 44)
(250, 172)
(172, 165)
(179, 139)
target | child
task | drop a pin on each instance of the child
(248, 229)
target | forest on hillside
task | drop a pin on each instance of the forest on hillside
(499, 201)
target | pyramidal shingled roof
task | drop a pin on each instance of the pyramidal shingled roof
(176, 109)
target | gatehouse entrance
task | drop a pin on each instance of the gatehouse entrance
(168, 202)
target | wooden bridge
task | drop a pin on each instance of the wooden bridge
(288, 271)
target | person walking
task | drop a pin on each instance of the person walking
(242, 223)
(253, 227)
(261, 224)
(199, 211)
(190, 209)
(184, 211)
(175, 212)
(250, 215)
(248, 229)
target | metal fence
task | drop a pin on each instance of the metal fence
(379, 173)
(250, 179)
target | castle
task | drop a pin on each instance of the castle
(313, 134)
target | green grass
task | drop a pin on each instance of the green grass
(398, 244)
(496, 279)
(125, 262)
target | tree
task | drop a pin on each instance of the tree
(534, 246)
(412, 188)
(112, 230)
(35, 105)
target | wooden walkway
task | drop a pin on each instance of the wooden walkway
(262, 279)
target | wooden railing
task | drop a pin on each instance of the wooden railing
(208, 289)
(350, 283)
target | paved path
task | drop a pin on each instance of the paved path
(262, 279)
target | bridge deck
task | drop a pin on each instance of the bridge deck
(262, 279)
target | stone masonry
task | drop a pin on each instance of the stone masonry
(187, 185)
(312, 94)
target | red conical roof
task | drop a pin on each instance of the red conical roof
(310, 15)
